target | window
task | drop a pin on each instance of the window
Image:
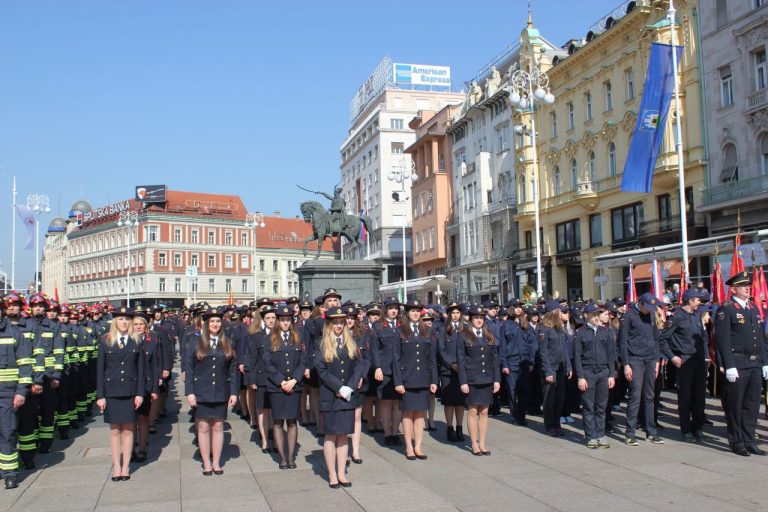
(761, 70)
(397, 148)
(162, 259)
(626, 221)
(161, 284)
(244, 286)
(523, 194)
(141, 259)
(764, 153)
(730, 170)
(571, 122)
(611, 159)
(432, 237)
(664, 205)
(228, 238)
(194, 260)
(211, 237)
(629, 79)
(177, 259)
(608, 96)
(211, 285)
(229, 261)
(556, 181)
(588, 105)
(211, 260)
(227, 285)
(553, 123)
(195, 236)
(721, 13)
(592, 170)
(568, 236)
(244, 238)
(595, 230)
(177, 285)
(574, 174)
(243, 261)
(396, 124)
(262, 287)
(275, 287)
(529, 239)
(152, 233)
(261, 265)
(726, 87)
(177, 235)
(274, 265)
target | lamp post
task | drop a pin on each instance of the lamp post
(39, 204)
(129, 219)
(525, 88)
(400, 175)
(254, 220)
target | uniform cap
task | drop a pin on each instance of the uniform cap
(649, 300)
(740, 279)
(335, 312)
(284, 311)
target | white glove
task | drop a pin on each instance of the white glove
(731, 374)
(765, 372)
(346, 392)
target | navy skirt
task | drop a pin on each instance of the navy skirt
(450, 390)
(262, 398)
(211, 411)
(415, 400)
(386, 389)
(480, 394)
(285, 406)
(120, 410)
(338, 423)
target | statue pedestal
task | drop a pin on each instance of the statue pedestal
(357, 280)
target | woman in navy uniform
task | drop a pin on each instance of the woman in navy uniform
(450, 389)
(595, 365)
(371, 414)
(211, 386)
(149, 343)
(384, 340)
(245, 354)
(356, 330)
(340, 368)
(555, 365)
(415, 377)
(285, 362)
(429, 322)
(120, 385)
(257, 373)
(479, 375)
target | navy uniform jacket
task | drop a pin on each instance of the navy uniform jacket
(31, 333)
(15, 361)
(447, 348)
(120, 372)
(312, 336)
(212, 379)
(552, 346)
(184, 343)
(415, 361)
(255, 348)
(52, 346)
(384, 340)
(685, 337)
(364, 346)
(166, 354)
(494, 325)
(478, 362)
(151, 350)
(594, 350)
(341, 371)
(287, 362)
(739, 336)
(515, 345)
(638, 336)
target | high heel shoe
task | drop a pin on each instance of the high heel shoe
(421, 456)
(207, 473)
(218, 471)
(345, 484)
(125, 478)
(117, 478)
(334, 486)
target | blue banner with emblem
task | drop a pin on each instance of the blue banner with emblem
(649, 129)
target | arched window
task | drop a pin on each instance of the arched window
(556, 179)
(730, 170)
(764, 153)
(592, 171)
(611, 159)
(574, 174)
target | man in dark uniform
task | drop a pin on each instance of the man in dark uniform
(740, 341)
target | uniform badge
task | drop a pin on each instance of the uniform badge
(721, 314)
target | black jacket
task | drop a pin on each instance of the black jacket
(120, 372)
(638, 336)
(478, 362)
(212, 378)
(594, 350)
(341, 371)
(415, 362)
(287, 362)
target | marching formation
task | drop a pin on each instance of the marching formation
(333, 367)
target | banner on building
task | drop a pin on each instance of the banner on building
(151, 193)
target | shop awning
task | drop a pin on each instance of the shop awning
(673, 268)
(421, 284)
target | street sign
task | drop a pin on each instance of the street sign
(191, 271)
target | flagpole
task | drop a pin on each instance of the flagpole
(679, 142)
(13, 238)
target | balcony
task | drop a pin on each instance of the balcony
(586, 194)
(757, 100)
(735, 190)
(667, 230)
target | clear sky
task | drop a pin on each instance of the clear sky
(226, 96)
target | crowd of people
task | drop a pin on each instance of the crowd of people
(333, 367)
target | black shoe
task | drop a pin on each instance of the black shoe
(356, 461)
(659, 426)
(410, 457)
(345, 484)
(708, 421)
(334, 486)
(207, 473)
(521, 423)
(125, 478)
(754, 450)
(740, 450)
(459, 434)
(11, 482)
(451, 433)
(292, 464)
(388, 440)
(116, 478)
(218, 471)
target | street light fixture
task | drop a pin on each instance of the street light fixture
(525, 89)
(401, 175)
(254, 220)
(39, 204)
(128, 219)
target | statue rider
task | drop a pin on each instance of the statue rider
(338, 206)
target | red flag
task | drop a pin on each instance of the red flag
(631, 291)
(231, 298)
(763, 287)
(56, 294)
(718, 287)
(757, 295)
(683, 286)
(737, 263)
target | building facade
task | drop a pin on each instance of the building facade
(374, 148)
(195, 246)
(734, 38)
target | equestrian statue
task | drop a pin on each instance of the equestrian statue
(332, 222)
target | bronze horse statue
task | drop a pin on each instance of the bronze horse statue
(325, 225)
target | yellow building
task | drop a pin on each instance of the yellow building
(583, 139)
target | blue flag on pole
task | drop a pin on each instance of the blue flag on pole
(649, 129)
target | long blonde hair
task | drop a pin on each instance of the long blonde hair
(329, 343)
(113, 334)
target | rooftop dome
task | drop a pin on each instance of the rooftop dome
(79, 206)
(57, 225)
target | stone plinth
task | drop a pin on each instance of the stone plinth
(358, 280)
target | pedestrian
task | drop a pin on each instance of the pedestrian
(285, 362)
(258, 338)
(211, 386)
(427, 317)
(516, 356)
(555, 365)
(479, 375)
(450, 389)
(414, 376)
(340, 369)
(595, 367)
(151, 350)
(120, 385)
(384, 340)
(371, 414)
(356, 331)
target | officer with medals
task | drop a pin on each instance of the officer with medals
(740, 341)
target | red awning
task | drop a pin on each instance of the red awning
(673, 268)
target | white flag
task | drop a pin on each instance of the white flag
(28, 218)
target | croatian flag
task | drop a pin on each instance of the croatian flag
(28, 218)
(657, 285)
(631, 290)
(363, 232)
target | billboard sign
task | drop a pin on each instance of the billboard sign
(151, 193)
(418, 76)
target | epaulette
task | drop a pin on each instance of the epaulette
(726, 303)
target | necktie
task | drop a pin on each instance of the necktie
(285, 336)
(455, 326)
(415, 328)
(214, 342)
(479, 333)
(121, 343)
(392, 324)
(339, 342)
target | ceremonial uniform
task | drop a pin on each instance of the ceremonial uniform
(386, 336)
(65, 392)
(287, 362)
(30, 411)
(554, 363)
(478, 365)
(151, 350)
(212, 379)
(120, 378)
(338, 414)
(448, 369)
(414, 367)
